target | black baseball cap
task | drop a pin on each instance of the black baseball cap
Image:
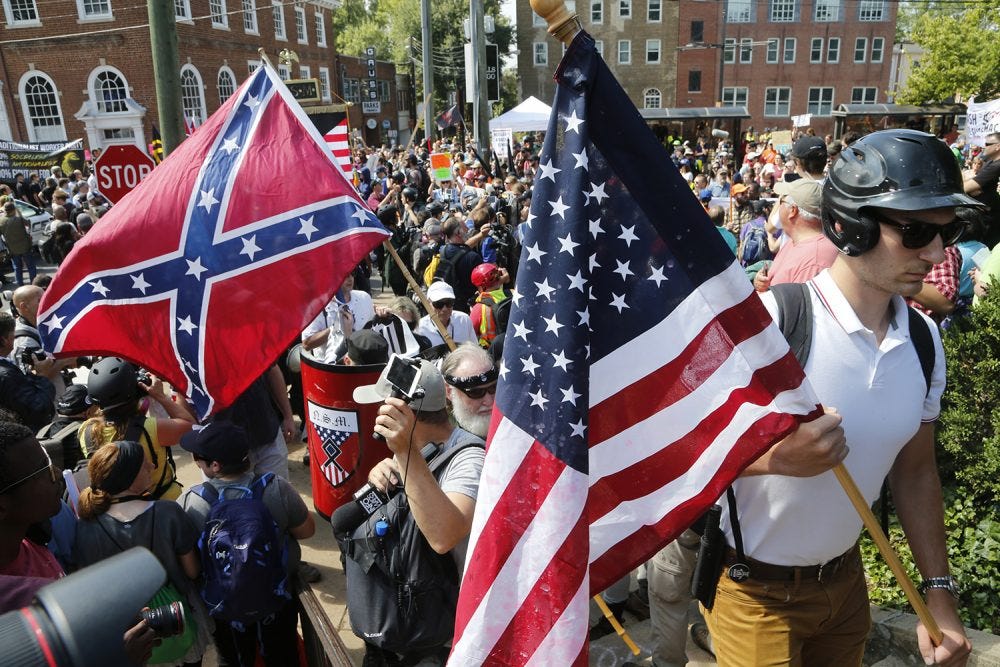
(221, 441)
(367, 347)
(808, 146)
(73, 401)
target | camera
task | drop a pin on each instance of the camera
(372, 500)
(165, 621)
(31, 355)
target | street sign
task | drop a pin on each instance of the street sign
(120, 169)
(492, 73)
(371, 107)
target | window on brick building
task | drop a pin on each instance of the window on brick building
(90, 10)
(624, 52)
(40, 103)
(5, 132)
(182, 10)
(782, 11)
(253, 66)
(320, 28)
(729, 51)
(651, 98)
(20, 12)
(324, 83)
(540, 51)
(654, 11)
(827, 11)
(599, 47)
(788, 55)
(278, 11)
(653, 49)
(816, 50)
(864, 95)
(352, 90)
(305, 72)
(250, 17)
(746, 51)
(217, 10)
(739, 11)
(871, 10)
(226, 84)
(192, 95)
(777, 101)
(735, 97)
(284, 72)
(694, 81)
(697, 31)
(878, 49)
(300, 25)
(833, 50)
(384, 91)
(108, 90)
(820, 101)
(597, 11)
(771, 55)
(625, 8)
(860, 48)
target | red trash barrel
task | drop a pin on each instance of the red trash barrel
(342, 450)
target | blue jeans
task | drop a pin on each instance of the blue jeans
(29, 261)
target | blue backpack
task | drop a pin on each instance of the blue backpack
(755, 246)
(244, 556)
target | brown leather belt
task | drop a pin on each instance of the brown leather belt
(767, 572)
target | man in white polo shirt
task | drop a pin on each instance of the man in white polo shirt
(889, 206)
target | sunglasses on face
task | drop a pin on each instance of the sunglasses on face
(478, 392)
(53, 474)
(916, 235)
(444, 303)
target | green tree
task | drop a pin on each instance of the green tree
(961, 54)
(393, 27)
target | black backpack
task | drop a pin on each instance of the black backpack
(447, 268)
(401, 594)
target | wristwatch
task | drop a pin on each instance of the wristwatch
(948, 583)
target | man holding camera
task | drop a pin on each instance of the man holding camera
(27, 350)
(30, 397)
(441, 503)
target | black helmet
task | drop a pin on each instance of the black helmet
(903, 170)
(410, 193)
(113, 382)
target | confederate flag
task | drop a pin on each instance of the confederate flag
(216, 261)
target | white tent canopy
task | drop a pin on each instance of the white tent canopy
(531, 115)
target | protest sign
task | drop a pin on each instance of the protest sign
(441, 167)
(982, 118)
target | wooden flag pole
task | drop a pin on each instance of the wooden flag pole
(564, 27)
(891, 559)
(420, 294)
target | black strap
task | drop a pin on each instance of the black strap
(795, 317)
(735, 523)
(923, 343)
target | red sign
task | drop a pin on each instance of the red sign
(120, 169)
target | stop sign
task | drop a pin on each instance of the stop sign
(120, 169)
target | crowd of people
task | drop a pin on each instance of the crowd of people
(848, 233)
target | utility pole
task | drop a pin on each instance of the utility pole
(163, 42)
(480, 107)
(413, 84)
(425, 36)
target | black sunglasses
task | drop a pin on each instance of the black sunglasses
(478, 392)
(916, 235)
(444, 303)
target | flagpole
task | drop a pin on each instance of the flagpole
(420, 294)
(564, 26)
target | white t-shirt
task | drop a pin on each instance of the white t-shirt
(459, 328)
(361, 308)
(880, 392)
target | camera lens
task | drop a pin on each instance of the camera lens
(166, 621)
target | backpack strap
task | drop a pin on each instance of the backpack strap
(206, 492)
(442, 458)
(923, 342)
(259, 485)
(795, 317)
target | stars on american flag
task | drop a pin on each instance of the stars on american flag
(586, 265)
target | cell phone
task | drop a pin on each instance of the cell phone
(403, 375)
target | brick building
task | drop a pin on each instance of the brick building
(782, 58)
(83, 68)
(391, 123)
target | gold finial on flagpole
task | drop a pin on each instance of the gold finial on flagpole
(563, 25)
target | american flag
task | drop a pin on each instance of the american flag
(640, 375)
(221, 256)
(337, 139)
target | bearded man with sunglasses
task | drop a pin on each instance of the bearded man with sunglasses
(470, 377)
(799, 596)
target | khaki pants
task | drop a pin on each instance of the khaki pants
(669, 575)
(794, 624)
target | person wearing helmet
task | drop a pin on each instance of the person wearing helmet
(492, 302)
(117, 388)
(889, 205)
